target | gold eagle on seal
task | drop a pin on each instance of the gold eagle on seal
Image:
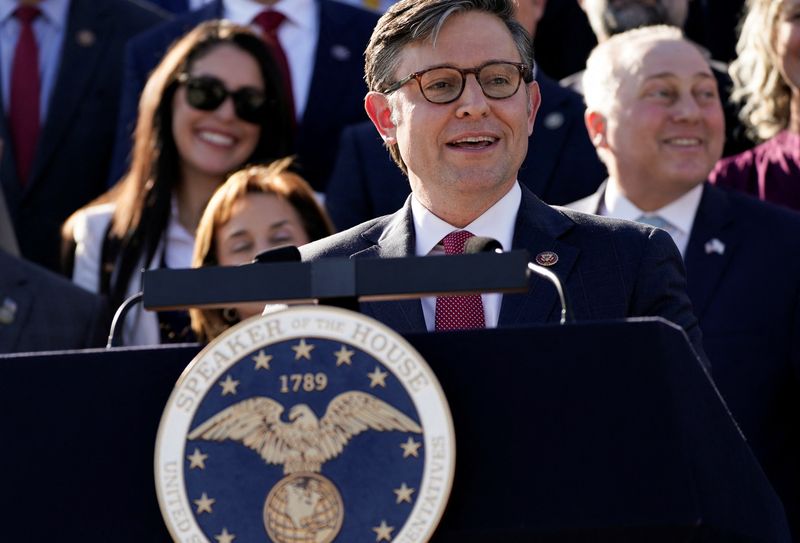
(305, 442)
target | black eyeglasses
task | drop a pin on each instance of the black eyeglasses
(207, 93)
(444, 84)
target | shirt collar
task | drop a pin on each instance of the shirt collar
(680, 213)
(175, 230)
(299, 12)
(54, 11)
(497, 222)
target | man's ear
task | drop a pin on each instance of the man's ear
(596, 125)
(534, 101)
(380, 113)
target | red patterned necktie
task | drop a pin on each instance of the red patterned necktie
(24, 101)
(458, 312)
(270, 21)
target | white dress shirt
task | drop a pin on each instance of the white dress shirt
(679, 213)
(298, 35)
(497, 222)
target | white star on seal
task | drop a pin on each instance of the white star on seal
(204, 504)
(344, 356)
(384, 531)
(225, 536)
(229, 385)
(302, 350)
(262, 360)
(197, 459)
(377, 377)
(411, 448)
(403, 493)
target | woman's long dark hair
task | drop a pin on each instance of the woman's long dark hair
(144, 194)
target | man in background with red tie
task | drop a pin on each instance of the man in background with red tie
(60, 72)
(320, 43)
(454, 97)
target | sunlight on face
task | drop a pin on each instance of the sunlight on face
(258, 222)
(666, 128)
(213, 143)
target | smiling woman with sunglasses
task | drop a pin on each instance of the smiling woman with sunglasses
(214, 104)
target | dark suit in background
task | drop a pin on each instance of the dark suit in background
(561, 165)
(715, 24)
(563, 38)
(173, 6)
(42, 311)
(747, 300)
(336, 94)
(73, 153)
(610, 269)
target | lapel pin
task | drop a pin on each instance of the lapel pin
(554, 120)
(340, 53)
(8, 311)
(715, 246)
(546, 258)
(85, 38)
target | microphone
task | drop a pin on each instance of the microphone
(284, 253)
(481, 244)
(115, 335)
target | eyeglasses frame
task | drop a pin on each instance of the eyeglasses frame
(525, 72)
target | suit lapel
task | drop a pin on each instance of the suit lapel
(704, 263)
(16, 299)
(395, 240)
(86, 33)
(175, 6)
(8, 169)
(537, 230)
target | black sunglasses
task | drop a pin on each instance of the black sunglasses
(207, 93)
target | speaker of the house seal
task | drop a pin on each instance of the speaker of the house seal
(308, 424)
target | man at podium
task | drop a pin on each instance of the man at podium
(453, 94)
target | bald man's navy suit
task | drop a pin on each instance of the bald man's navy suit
(745, 289)
(610, 269)
(561, 165)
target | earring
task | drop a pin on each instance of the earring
(230, 315)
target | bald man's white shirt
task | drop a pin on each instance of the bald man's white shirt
(680, 213)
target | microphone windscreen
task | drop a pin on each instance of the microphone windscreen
(286, 253)
(481, 244)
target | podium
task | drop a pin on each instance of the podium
(605, 431)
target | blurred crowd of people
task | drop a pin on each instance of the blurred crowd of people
(188, 133)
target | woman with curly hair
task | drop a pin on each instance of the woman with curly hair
(766, 77)
(256, 209)
(214, 104)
